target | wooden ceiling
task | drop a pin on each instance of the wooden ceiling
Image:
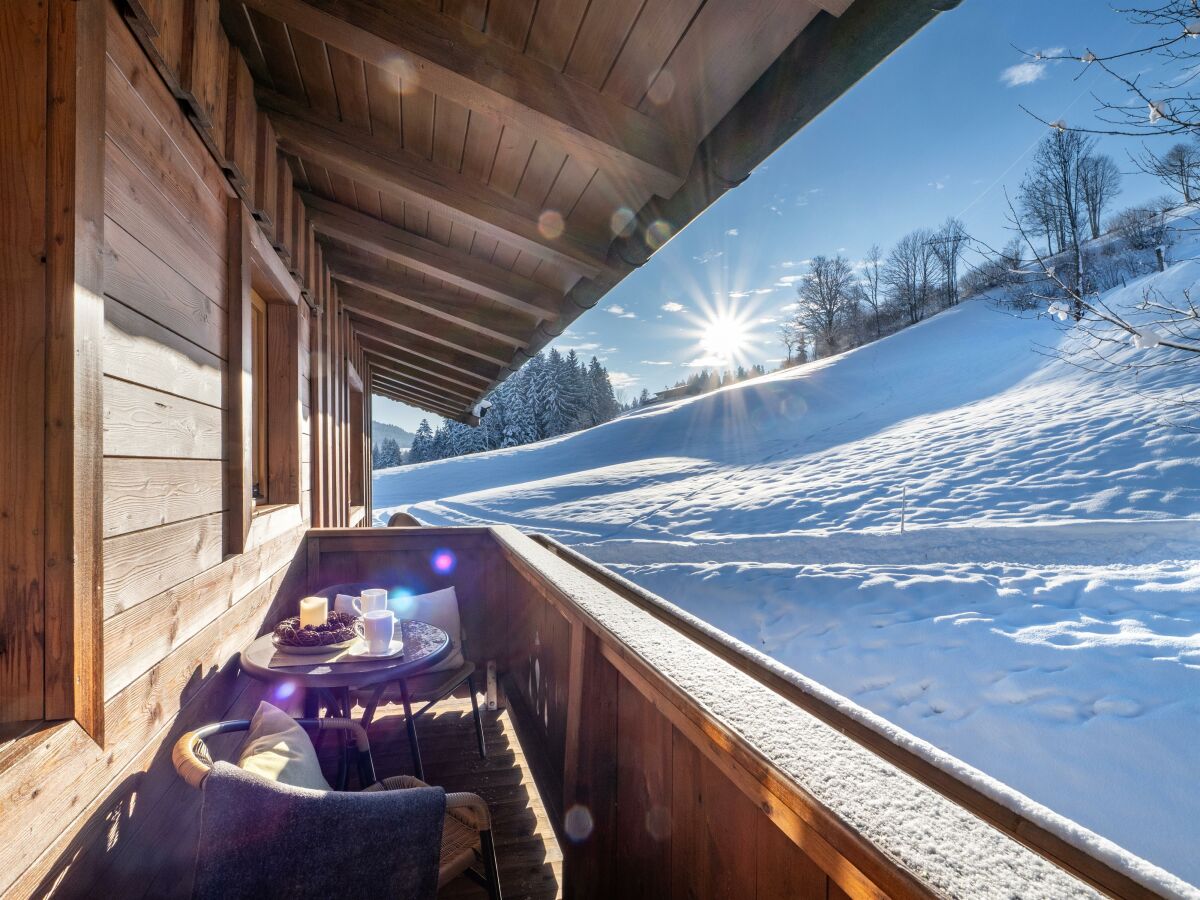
(478, 170)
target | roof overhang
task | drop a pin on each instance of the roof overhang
(476, 185)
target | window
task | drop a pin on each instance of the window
(258, 413)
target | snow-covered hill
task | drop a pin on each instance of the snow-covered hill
(1039, 616)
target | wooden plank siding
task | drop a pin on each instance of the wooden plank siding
(175, 157)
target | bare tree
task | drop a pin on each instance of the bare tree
(948, 244)
(823, 298)
(791, 333)
(872, 282)
(1100, 182)
(1057, 169)
(1039, 212)
(909, 273)
(1178, 169)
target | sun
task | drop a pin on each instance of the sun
(725, 338)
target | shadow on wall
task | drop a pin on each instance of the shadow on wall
(142, 840)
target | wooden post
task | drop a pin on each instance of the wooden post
(238, 387)
(74, 669)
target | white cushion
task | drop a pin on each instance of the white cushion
(278, 749)
(438, 608)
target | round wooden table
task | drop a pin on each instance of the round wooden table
(425, 646)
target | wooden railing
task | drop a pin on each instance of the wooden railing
(677, 764)
(1100, 873)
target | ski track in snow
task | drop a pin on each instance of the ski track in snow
(1040, 616)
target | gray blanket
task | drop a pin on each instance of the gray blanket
(262, 839)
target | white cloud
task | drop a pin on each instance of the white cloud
(708, 256)
(937, 185)
(615, 308)
(794, 263)
(672, 306)
(789, 279)
(1023, 73)
(622, 379)
(627, 315)
(657, 362)
(731, 232)
(1030, 70)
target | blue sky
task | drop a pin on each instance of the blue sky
(934, 131)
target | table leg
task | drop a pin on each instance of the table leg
(411, 724)
(373, 705)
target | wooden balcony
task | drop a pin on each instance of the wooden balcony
(635, 753)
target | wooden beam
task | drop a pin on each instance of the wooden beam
(73, 154)
(237, 385)
(392, 292)
(414, 400)
(423, 370)
(394, 369)
(454, 61)
(417, 390)
(413, 320)
(375, 335)
(449, 264)
(368, 160)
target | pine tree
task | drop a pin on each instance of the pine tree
(603, 398)
(440, 447)
(422, 445)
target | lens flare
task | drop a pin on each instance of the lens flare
(662, 89)
(551, 224)
(444, 562)
(578, 823)
(284, 690)
(620, 220)
(658, 233)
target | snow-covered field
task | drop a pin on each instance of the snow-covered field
(1039, 617)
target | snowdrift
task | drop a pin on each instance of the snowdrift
(989, 546)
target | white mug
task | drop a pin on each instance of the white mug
(376, 628)
(370, 600)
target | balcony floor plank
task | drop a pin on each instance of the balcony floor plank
(526, 847)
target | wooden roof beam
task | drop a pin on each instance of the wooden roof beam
(419, 402)
(411, 320)
(392, 292)
(376, 335)
(414, 365)
(450, 264)
(378, 164)
(390, 371)
(416, 390)
(450, 59)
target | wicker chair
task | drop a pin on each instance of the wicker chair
(466, 834)
(403, 520)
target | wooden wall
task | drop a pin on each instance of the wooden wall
(188, 226)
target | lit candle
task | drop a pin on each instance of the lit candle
(314, 611)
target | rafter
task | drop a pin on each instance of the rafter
(413, 400)
(431, 258)
(422, 368)
(375, 334)
(411, 320)
(383, 370)
(399, 292)
(456, 62)
(379, 165)
(418, 391)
